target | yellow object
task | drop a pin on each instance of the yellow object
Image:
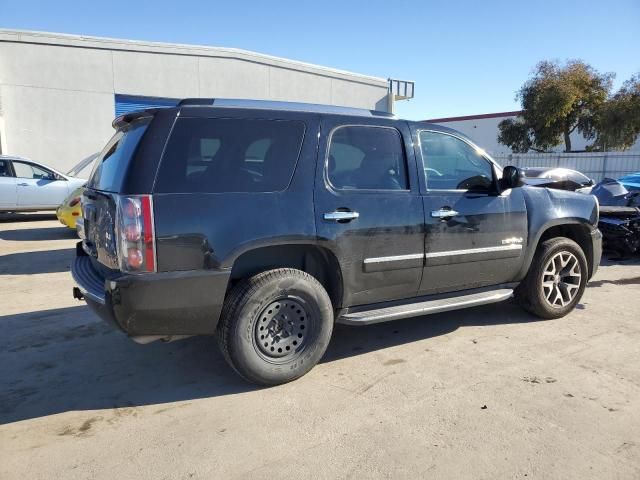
(69, 211)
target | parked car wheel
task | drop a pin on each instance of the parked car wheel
(275, 326)
(556, 279)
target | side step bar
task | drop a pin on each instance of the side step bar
(425, 308)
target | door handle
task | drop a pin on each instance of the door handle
(444, 213)
(23, 184)
(338, 216)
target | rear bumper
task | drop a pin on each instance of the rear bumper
(165, 303)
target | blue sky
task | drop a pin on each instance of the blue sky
(467, 57)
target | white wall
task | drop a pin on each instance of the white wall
(57, 91)
(484, 132)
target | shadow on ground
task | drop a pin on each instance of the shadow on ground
(29, 263)
(65, 359)
(37, 234)
(26, 217)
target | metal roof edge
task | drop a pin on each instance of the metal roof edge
(88, 41)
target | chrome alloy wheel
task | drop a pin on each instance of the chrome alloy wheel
(561, 279)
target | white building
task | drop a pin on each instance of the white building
(59, 93)
(483, 130)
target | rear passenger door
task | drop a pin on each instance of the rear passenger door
(368, 209)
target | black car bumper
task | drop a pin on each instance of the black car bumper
(163, 303)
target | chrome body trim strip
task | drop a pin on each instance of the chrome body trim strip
(448, 253)
(395, 258)
(468, 251)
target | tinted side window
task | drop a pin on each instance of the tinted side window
(217, 155)
(367, 158)
(28, 170)
(451, 164)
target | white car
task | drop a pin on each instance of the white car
(26, 185)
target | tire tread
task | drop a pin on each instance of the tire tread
(245, 289)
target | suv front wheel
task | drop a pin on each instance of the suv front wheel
(556, 279)
(275, 326)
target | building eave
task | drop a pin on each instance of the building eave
(104, 43)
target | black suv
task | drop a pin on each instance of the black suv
(264, 223)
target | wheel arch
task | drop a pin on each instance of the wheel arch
(317, 261)
(577, 230)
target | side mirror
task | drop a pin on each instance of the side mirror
(511, 178)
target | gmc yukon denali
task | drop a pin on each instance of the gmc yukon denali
(264, 223)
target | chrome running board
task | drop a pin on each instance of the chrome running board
(427, 307)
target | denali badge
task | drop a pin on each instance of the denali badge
(512, 240)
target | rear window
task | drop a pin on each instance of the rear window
(218, 155)
(111, 164)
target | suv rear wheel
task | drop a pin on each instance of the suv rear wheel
(556, 279)
(275, 326)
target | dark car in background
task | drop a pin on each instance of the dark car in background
(264, 223)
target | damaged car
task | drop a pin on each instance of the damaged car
(558, 178)
(619, 216)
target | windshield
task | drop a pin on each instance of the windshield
(112, 163)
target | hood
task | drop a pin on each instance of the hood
(76, 182)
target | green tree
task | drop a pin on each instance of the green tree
(618, 123)
(556, 101)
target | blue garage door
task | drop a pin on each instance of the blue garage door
(130, 103)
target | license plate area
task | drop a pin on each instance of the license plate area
(99, 223)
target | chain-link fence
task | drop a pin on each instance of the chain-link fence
(594, 165)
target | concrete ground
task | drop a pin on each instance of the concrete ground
(487, 393)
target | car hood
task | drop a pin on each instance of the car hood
(76, 182)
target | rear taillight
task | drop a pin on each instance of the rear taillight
(74, 202)
(136, 236)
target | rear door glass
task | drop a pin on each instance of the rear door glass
(112, 163)
(367, 158)
(217, 155)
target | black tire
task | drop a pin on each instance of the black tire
(293, 314)
(531, 294)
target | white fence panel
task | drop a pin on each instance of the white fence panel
(594, 165)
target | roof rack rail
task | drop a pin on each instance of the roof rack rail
(196, 101)
(280, 105)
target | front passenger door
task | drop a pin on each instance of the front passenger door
(38, 187)
(475, 236)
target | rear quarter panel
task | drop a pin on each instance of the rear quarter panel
(196, 231)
